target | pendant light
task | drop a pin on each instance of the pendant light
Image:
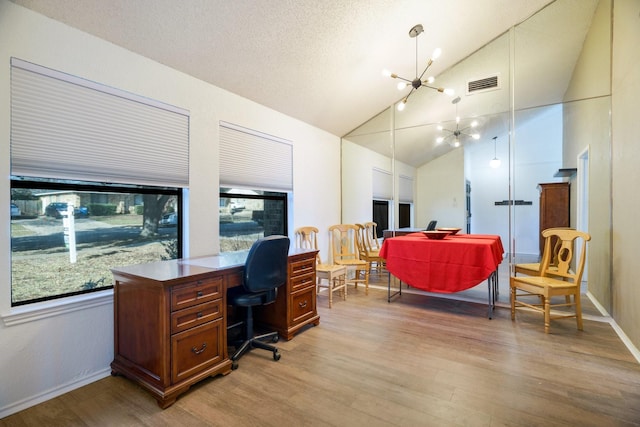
(495, 162)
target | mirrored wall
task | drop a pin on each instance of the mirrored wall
(540, 94)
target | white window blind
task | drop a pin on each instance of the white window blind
(253, 159)
(405, 189)
(382, 184)
(66, 127)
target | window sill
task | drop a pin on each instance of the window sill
(38, 311)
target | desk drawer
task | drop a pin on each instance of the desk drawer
(302, 266)
(302, 281)
(197, 349)
(196, 292)
(303, 305)
(190, 317)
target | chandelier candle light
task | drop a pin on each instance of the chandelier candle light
(417, 82)
(453, 137)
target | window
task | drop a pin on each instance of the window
(69, 136)
(69, 235)
(248, 215)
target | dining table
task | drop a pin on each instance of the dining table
(452, 264)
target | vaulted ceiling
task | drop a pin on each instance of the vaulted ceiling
(319, 61)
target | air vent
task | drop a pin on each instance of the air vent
(484, 84)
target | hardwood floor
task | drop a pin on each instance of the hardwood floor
(417, 361)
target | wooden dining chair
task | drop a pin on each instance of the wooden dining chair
(560, 280)
(369, 251)
(343, 239)
(333, 274)
(535, 268)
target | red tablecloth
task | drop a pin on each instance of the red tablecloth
(452, 264)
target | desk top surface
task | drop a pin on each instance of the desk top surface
(174, 269)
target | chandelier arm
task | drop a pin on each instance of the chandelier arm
(402, 78)
(439, 89)
(406, 98)
(427, 67)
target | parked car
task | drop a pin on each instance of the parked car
(236, 206)
(15, 210)
(59, 209)
(169, 220)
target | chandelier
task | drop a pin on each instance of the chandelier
(417, 82)
(452, 137)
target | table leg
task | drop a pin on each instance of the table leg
(389, 294)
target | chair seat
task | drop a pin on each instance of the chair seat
(238, 296)
(329, 268)
(541, 283)
(351, 262)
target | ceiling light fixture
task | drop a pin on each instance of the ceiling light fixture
(417, 82)
(453, 137)
(495, 162)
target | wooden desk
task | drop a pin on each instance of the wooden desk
(170, 317)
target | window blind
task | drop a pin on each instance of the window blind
(67, 127)
(252, 159)
(405, 189)
(382, 184)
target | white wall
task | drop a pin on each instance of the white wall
(441, 190)
(626, 174)
(357, 193)
(62, 346)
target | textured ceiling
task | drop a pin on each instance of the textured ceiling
(316, 60)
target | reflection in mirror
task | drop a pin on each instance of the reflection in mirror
(367, 172)
(542, 90)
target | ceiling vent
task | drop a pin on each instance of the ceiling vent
(484, 84)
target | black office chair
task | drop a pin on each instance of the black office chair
(432, 225)
(264, 271)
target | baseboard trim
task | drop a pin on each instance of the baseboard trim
(625, 339)
(54, 392)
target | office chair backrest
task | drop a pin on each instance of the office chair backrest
(266, 265)
(432, 225)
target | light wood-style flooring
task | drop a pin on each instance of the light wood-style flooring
(417, 361)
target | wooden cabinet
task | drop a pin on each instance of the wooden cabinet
(295, 305)
(170, 318)
(554, 207)
(169, 327)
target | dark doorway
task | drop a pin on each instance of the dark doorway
(381, 216)
(404, 215)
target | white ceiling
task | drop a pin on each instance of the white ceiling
(316, 60)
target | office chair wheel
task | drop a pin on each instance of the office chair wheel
(276, 355)
(234, 365)
(275, 339)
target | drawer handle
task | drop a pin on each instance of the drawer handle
(199, 294)
(302, 304)
(199, 315)
(196, 351)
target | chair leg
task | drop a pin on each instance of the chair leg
(578, 307)
(513, 301)
(330, 289)
(366, 281)
(547, 314)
